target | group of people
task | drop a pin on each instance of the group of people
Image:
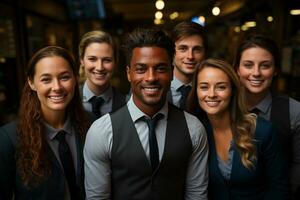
(193, 127)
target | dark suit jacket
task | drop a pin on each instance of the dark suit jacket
(52, 188)
(268, 180)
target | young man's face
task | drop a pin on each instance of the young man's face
(189, 53)
(150, 75)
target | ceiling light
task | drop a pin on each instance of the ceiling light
(270, 18)
(295, 12)
(199, 20)
(216, 11)
(244, 28)
(159, 4)
(158, 15)
(237, 29)
(158, 21)
(250, 24)
(174, 15)
(202, 19)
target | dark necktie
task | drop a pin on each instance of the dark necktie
(184, 90)
(255, 111)
(96, 104)
(66, 160)
(154, 156)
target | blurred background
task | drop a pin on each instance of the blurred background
(28, 25)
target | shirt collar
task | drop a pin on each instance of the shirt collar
(52, 132)
(136, 113)
(87, 94)
(176, 83)
(264, 105)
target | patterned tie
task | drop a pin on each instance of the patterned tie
(184, 90)
(96, 104)
(154, 156)
(66, 159)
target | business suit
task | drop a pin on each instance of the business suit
(51, 188)
(268, 180)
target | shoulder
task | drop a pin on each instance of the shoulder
(196, 128)
(8, 137)
(9, 130)
(99, 134)
(192, 120)
(294, 106)
(294, 114)
(103, 124)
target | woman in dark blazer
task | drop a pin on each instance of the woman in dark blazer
(257, 62)
(245, 161)
(98, 59)
(41, 153)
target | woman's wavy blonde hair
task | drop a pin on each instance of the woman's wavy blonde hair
(243, 123)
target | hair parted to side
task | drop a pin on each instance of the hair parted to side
(243, 123)
(187, 29)
(97, 37)
(141, 37)
(32, 154)
(257, 40)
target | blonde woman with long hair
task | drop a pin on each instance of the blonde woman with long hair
(244, 159)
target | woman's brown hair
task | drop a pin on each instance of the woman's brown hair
(31, 156)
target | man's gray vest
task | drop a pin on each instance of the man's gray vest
(132, 175)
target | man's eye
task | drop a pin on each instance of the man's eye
(181, 48)
(140, 70)
(92, 59)
(162, 69)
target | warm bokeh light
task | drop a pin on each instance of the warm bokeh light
(158, 15)
(250, 24)
(270, 18)
(202, 20)
(237, 29)
(216, 11)
(174, 15)
(295, 12)
(158, 21)
(244, 28)
(159, 4)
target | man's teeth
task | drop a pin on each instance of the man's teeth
(151, 89)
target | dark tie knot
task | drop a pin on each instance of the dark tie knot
(184, 90)
(60, 136)
(97, 101)
(255, 111)
(151, 122)
(96, 104)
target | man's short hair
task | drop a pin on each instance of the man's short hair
(187, 29)
(142, 37)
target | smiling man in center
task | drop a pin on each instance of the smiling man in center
(148, 149)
